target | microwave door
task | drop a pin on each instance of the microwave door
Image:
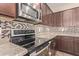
(28, 11)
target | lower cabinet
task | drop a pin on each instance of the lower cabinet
(58, 43)
(65, 43)
(68, 44)
(76, 46)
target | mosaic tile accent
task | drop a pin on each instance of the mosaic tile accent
(6, 27)
(5, 24)
(5, 33)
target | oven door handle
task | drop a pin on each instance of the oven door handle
(36, 53)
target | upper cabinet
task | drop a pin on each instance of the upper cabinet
(43, 8)
(64, 18)
(67, 18)
(75, 17)
(58, 19)
(46, 14)
(8, 9)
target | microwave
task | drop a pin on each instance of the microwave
(26, 11)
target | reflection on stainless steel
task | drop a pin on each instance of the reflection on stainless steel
(27, 11)
(24, 38)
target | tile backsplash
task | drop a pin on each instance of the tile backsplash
(6, 26)
(44, 28)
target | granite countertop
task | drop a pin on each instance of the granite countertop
(46, 36)
(42, 39)
(10, 49)
(49, 35)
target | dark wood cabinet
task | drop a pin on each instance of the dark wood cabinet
(43, 8)
(76, 46)
(58, 19)
(58, 43)
(46, 15)
(65, 43)
(52, 20)
(75, 17)
(67, 17)
(8, 9)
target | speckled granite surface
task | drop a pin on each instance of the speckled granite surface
(46, 36)
(10, 49)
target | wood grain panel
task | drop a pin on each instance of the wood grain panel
(8, 9)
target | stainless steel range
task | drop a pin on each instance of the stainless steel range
(24, 38)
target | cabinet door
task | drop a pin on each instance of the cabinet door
(59, 19)
(76, 16)
(51, 19)
(46, 15)
(58, 43)
(8, 9)
(54, 20)
(67, 44)
(67, 18)
(76, 46)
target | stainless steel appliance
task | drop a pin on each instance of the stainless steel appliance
(26, 10)
(24, 38)
(46, 49)
(39, 51)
